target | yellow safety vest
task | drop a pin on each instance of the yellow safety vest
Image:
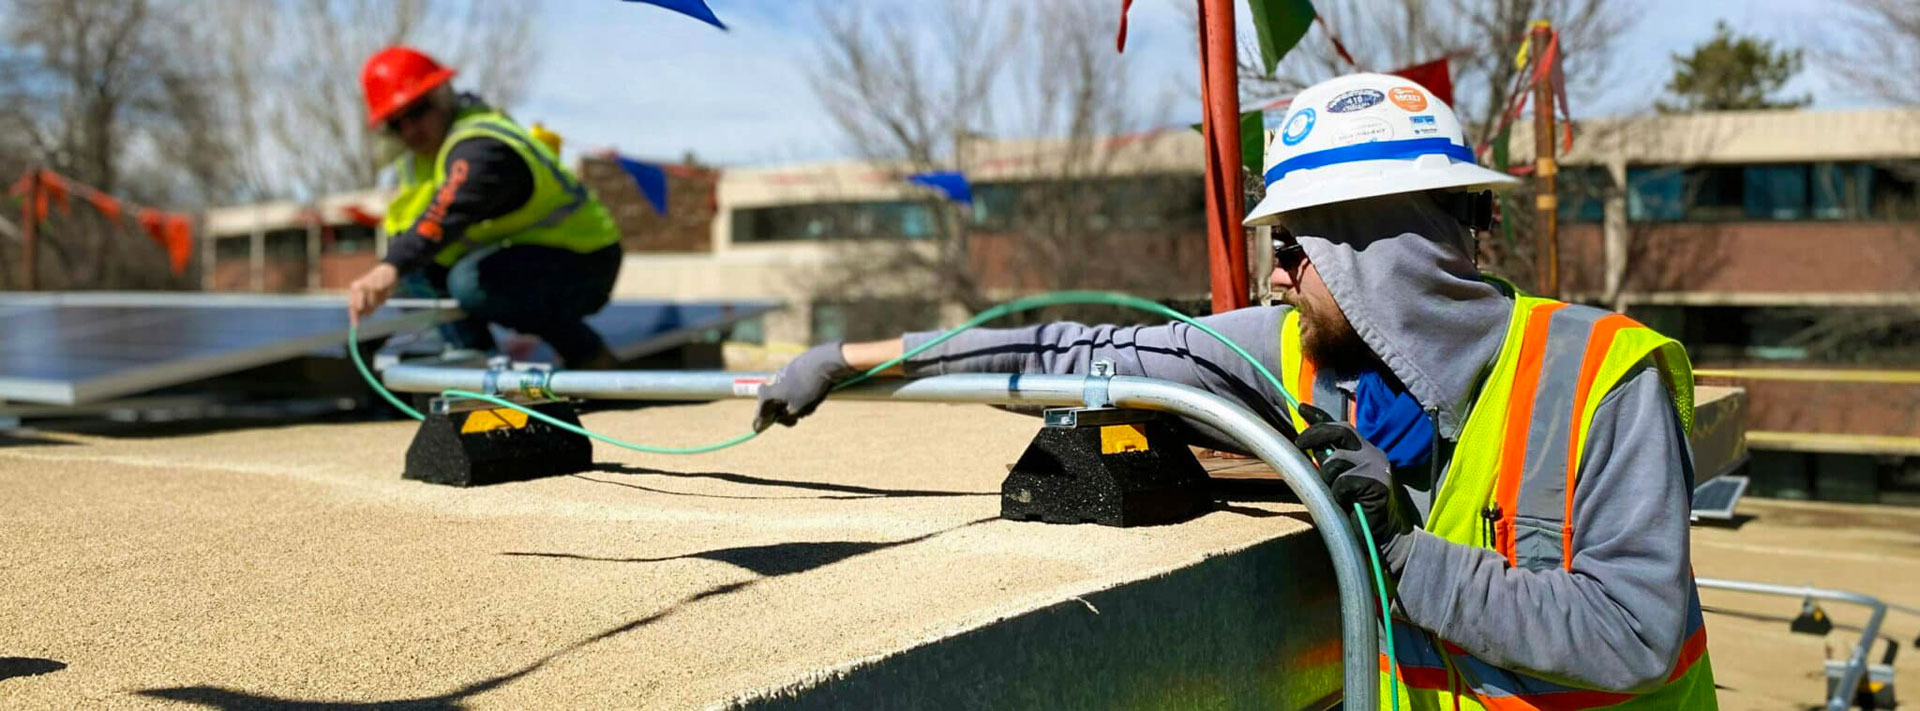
(1510, 487)
(562, 212)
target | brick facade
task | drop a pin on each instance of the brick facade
(687, 226)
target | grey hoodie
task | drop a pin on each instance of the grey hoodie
(1397, 266)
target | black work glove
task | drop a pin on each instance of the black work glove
(1356, 471)
(797, 389)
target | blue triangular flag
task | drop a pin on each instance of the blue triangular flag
(651, 180)
(951, 183)
(696, 9)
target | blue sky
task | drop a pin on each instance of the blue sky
(655, 84)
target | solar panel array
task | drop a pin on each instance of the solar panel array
(71, 349)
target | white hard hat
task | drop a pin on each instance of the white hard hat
(1361, 136)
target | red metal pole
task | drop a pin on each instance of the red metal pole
(1226, 203)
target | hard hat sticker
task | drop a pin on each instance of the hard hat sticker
(1424, 125)
(1408, 98)
(1355, 100)
(1363, 130)
(1298, 127)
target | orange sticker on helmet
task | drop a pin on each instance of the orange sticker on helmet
(1408, 98)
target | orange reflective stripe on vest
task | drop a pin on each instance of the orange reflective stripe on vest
(1598, 346)
(1526, 380)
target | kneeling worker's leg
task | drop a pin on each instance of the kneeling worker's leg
(545, 291)
(432, 283)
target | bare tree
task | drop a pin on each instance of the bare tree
(914, 93)
(100, 93)
(1881, 50)
(291, 70)
(88, 83)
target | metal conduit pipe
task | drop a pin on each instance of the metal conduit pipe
(1842, 698)
(1358, 624)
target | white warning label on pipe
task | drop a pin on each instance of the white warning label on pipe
(748, 387)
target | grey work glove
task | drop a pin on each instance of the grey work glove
(1357, 471)
(799, 387)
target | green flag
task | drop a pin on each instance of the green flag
(1253, 138)
(1280, 24)
(1501, 160)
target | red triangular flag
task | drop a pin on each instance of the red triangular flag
(54, 189)
(106, 204)
(362, 217)
(1120, 40)
(1436, 76)
(152, 221)
(179, 242)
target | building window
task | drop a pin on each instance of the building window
(1656, 194)
(1772, 192)
(994, 205)
(233, 247)
(287, 245)
(897, 219)
(1842, 191)
(870, 319)
(1130, 203)
(1788, 334)
(1583, 193)
(352, 239)
(752, 330)
(1893, 190)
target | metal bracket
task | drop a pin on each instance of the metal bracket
(525, 381)
(447, 406)
(1097, 379)
(1071, 417)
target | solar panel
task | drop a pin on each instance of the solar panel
(1716, 498)
(71, 349)
(74, 349)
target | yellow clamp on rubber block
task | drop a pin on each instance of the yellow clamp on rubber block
(1115, 439)
(1104, 465)
(467, 444)
(495, 419)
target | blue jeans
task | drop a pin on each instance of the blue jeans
(544, 291)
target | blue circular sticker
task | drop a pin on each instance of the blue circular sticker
(1298, 127)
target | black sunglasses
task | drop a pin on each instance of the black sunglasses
(1287, 253)
(410, 113)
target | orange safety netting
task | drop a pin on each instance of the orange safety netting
(43, 189)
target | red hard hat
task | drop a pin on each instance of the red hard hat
(395, 77)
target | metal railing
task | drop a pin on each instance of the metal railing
(1842, 696)
(1358, 623)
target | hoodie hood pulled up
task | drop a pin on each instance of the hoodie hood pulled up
(1399, 268)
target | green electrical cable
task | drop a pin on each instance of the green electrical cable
(1386, 612)
(1102, 298)
(353, 351)
(1058, 298)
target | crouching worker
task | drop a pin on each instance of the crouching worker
(487, 215)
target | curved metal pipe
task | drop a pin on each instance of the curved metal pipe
(1352, 575)
(1842, 698)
